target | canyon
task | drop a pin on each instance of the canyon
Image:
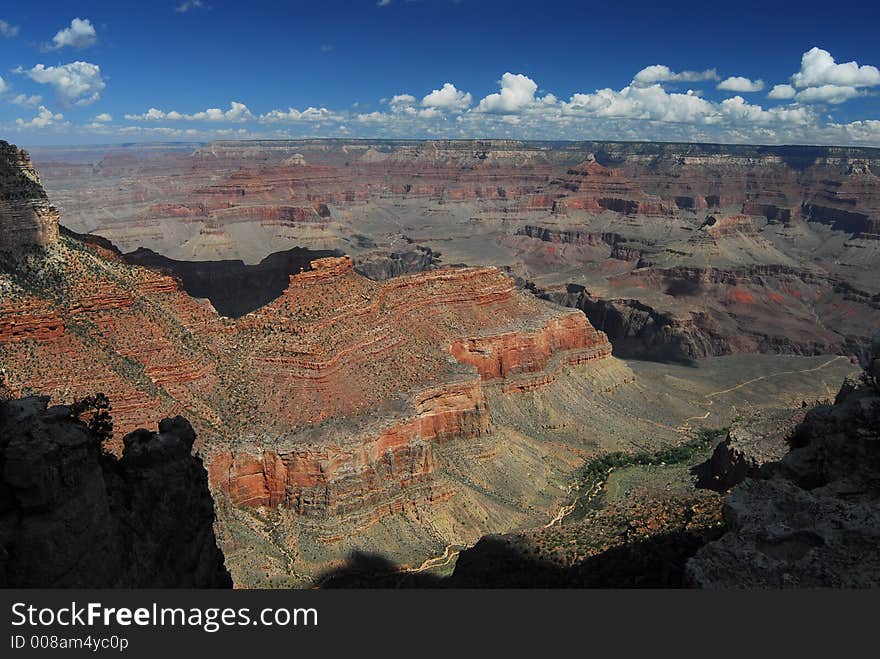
(402, 347)
(676, 251)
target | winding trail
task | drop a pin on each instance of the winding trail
(685, 426)
(449, 554)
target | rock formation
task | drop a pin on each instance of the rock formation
(26, 217)
(811, 520)
(762, 437)
(71, 517)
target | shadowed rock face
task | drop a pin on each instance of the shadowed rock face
(761, 438)
(71, 517)
(810, 520)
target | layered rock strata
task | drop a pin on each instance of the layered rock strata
(26, 216)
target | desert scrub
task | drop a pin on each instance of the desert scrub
(593, 475)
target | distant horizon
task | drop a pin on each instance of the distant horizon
(398, 140)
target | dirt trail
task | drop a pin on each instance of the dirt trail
(685, 426)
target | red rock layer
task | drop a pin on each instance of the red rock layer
(328, 400)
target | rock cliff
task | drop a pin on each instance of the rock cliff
(26, 217)
(810, 520)
(72, 517)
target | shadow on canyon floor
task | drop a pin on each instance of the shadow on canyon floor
(655, 562)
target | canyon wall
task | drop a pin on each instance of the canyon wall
(26, 217)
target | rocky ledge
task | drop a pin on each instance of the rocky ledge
(74, 517)
(812, 520)
(761, 437)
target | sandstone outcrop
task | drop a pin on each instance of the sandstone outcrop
(71, 517)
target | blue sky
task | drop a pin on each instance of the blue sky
(102, 72)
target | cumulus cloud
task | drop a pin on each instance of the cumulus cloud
(26, 101)
(655, 104)
(447, 98)
(738, 111)
(237, 112)
(782, 92)
(8, 31)
(517, 92)
(402, 102)
(827, 94)
(292, 115)
(818, 68)
(3, 85)
(44, 119)
(77, 83)
(655, 73)
(641, 110)
(632, 102)
(741, 85)
(81, 34)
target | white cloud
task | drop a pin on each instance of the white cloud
(292, 115)
(372, 117)
(3, 85)
(827, 94)
(661, 73)
(81, 34)
(741, 85)
(818, 68)
(237, 112)
(737, 110)
(77, 83)
(447, 98)
(517, 93)
(190, 5)
(44, 119)
(401, 102)
(103, 117)
(26, 101)
(782, 92)
(383, 3)
(8, 31)
(653, 103)
(865, 131)
(153, 114)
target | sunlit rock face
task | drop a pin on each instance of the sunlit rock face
(26, 216)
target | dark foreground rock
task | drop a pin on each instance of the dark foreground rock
(760, 438)
(812, 519)
(72, 516)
